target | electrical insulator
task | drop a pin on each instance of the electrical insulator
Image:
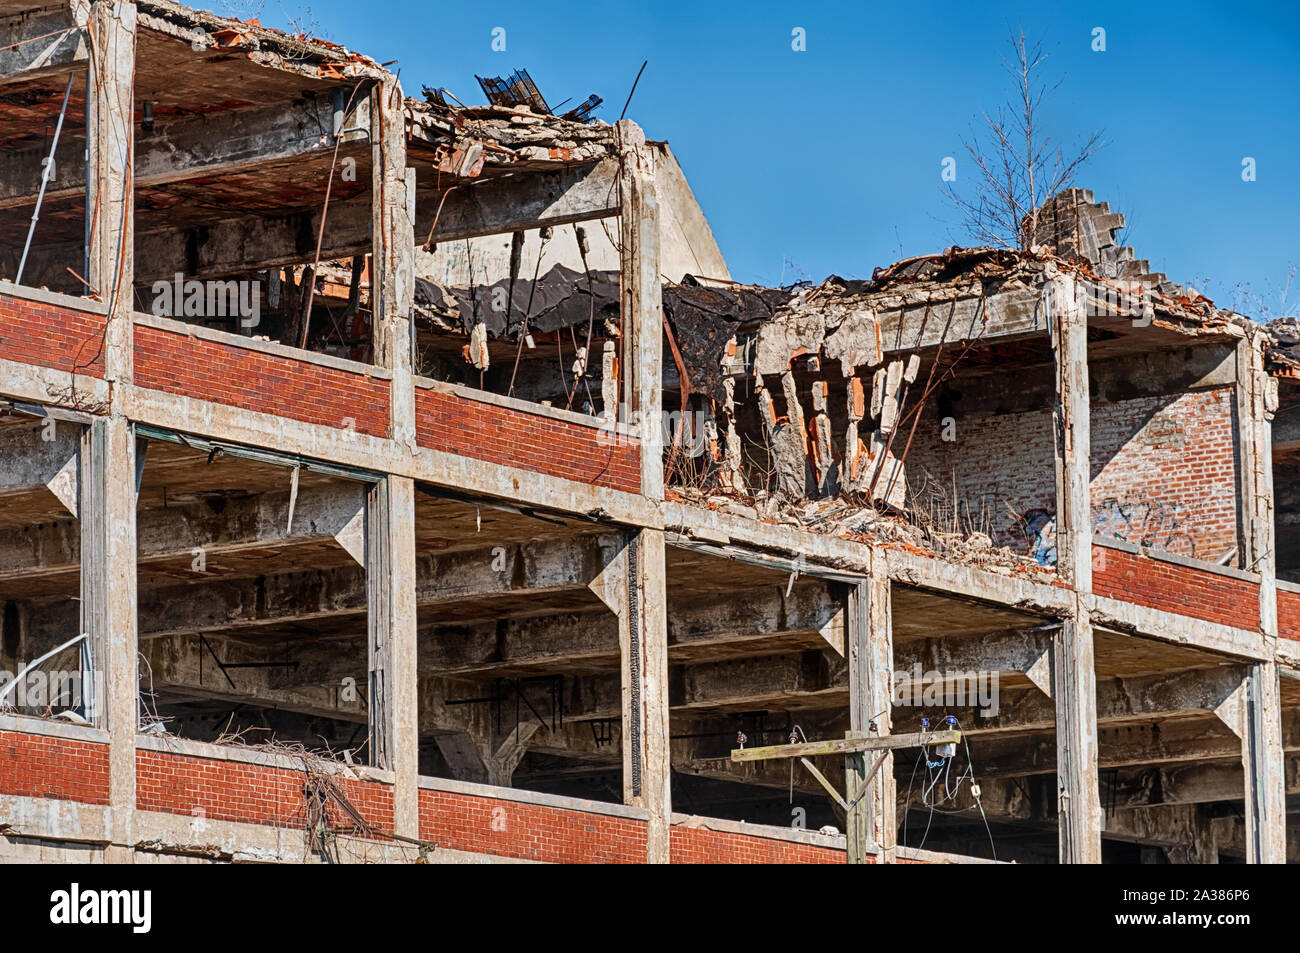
(948, 750)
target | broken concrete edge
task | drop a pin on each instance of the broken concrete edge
(273, 348)
(939, 857)
(982, 585)
(854, 556)
(526, 407)
(1288, 654)
(157, 832)
(792, 835)
(339, 445)
(52, 728)
(172, 19)
(59, 393)
(1160, 555)
(520, 796)
(184, 747)
(54, 298)
(1127, 618)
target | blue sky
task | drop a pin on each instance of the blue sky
(828, 160)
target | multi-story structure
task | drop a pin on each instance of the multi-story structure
(436, 436)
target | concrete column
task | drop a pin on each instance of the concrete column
(390, 592)
(636, 573)
(393, 260)
(110, 206)
(873, 826)
(1256, 402)
(1074, 680)
(642, 300)
(106, 506)
(1265, 766)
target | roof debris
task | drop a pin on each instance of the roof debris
(518, 89)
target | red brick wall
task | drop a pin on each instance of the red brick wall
(529, 441)
(1288, 614)
(65, 339)
(529, 831)
(242, 377)
(698, 846)
(1163, 471)
(248, 793)
(1162, 585)
(42, 766)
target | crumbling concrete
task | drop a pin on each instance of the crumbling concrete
(514, 502)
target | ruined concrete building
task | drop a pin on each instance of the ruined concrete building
(383, 478)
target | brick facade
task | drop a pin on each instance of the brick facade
(50, 767)
(698, 846)
(254, 380)
(1163, 472)
(1199, 593)
(248, 793)
(529, 831)
(65, 339)
(1288, 614)
(514, 438)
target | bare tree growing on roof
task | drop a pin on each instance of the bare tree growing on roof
(1018, 167)
(298, 21)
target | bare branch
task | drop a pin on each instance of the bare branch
(1016, 168)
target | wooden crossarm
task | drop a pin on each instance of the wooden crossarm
(847, 745)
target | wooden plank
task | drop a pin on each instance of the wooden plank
(821, 779)
(847, 745)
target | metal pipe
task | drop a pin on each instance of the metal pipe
(45, 179)
(54, 651)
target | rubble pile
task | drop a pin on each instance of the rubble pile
(847, 519)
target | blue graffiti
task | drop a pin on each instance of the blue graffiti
(1040, 528)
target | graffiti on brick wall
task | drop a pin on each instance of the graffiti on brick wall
(1155, 524)
(1040, 529)
(1164, 525)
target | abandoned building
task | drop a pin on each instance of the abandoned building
(389, 479)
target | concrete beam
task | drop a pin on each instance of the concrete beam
(1118, 701)
(764, 617)
(253, 242)
(1124, 746)
(1201, 783)
(41, 458)
(221, 143)
(42, 42)
(522, 201)
(1028, 651)
(260, 521)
